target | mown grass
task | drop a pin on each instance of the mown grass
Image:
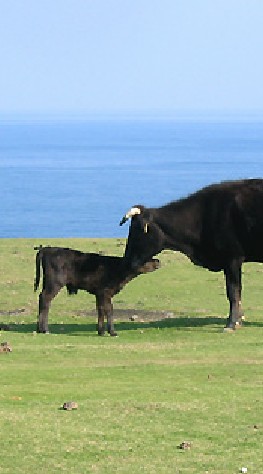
(161, 382)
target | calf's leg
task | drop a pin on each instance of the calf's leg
(233, 277)
(110, 324)
(45, 299)
(105, 310)
(101, 314)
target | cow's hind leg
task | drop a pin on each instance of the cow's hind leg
(233, 277)
(45, 299)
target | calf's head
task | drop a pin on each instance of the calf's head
(150, 266)
(145, 238)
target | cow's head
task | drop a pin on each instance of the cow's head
(145, 237)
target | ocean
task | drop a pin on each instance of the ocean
(77, 178)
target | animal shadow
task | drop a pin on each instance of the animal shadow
(130, 320)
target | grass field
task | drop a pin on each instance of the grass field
(171, 376)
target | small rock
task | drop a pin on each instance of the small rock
(133, 318)
(185, 445)
(5, 347)
(243, 470)
(70, 406)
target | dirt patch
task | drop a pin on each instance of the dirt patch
(12, 312)
(139, 315)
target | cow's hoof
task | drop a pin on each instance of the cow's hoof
(233, 326)
(238, 325)
(229, 329)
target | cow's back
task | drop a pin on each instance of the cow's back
(219, 220)
(232, 221)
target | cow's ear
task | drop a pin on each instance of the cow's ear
(145, 225)
(142, 223)
(144, 220)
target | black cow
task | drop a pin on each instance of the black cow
(102, 276)
(219, 227)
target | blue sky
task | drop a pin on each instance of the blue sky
(131, 56)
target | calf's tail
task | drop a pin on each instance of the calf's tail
(39, 256)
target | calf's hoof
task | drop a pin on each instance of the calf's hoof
(41, 330)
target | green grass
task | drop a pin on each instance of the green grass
(161, 382)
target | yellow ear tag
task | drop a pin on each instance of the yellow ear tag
(146, 227)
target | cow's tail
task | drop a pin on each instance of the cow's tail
(39, 257)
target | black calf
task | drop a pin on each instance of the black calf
(102, 276)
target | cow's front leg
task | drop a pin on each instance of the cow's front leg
(233, 277)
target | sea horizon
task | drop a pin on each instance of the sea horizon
(76, 177)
